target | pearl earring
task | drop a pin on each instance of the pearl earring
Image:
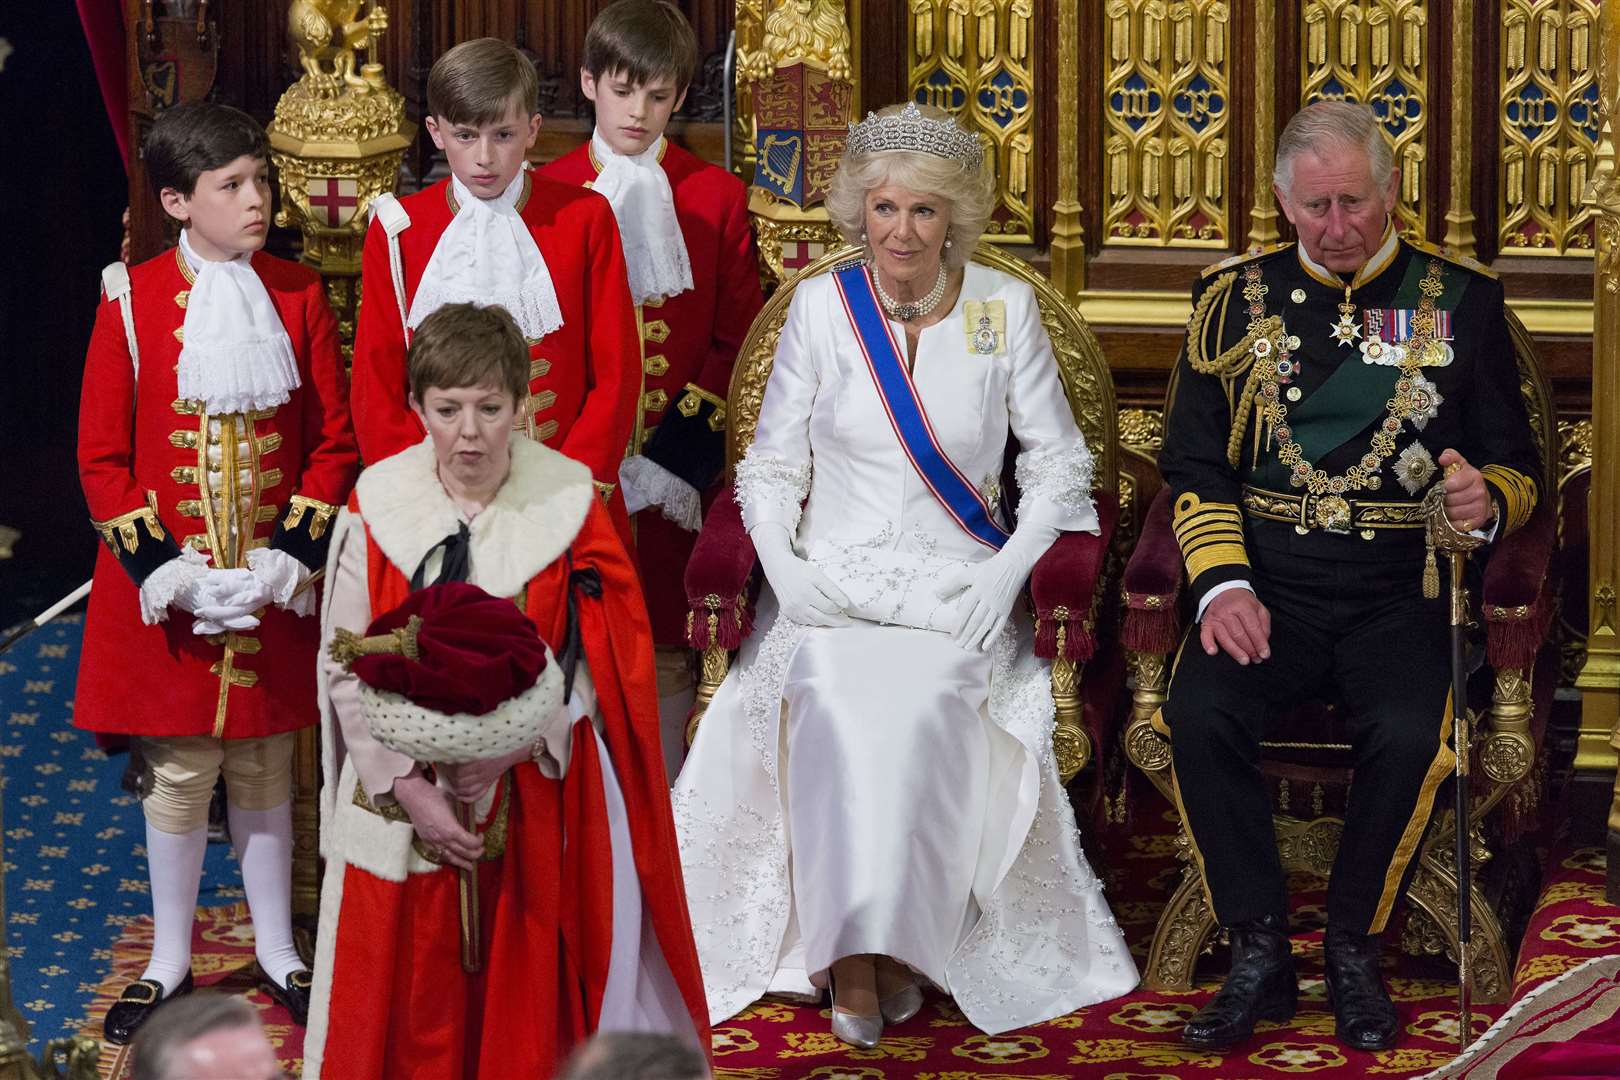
(947, 241)
(863, 238)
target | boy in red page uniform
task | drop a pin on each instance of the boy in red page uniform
(214, 450)
(693, 270)
(494, 233)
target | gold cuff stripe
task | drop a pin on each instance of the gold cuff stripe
(1207, 530)
(320, 514)
(123, 526)
(702, 394)
(1211, 556)
(1519, 490)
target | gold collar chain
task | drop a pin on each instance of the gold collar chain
(1273, 365)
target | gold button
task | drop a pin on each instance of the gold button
(1294, 393)
(1297, 296)
(655, 365)
(1368, 534)
(656, 331)
(655, 401)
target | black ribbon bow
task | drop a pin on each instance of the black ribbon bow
(457, 559)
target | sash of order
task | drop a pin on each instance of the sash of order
(899, 396)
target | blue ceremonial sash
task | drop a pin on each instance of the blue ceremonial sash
(899, 396)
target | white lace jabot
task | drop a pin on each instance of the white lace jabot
(488, 256)
(638, 190)
(235, 355)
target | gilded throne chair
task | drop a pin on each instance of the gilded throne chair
(1066, 588)
(1306, 761)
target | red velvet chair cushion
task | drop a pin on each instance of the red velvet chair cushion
(1064, 585)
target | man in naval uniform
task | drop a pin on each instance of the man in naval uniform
(1324, 386)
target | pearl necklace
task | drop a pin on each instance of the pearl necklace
(915, 309)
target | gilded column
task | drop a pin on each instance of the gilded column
(1263, 218)
(337, 139)
(1599, 680)
(1068, 236)
(1460, 213)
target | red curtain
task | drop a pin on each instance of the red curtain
(104, 30)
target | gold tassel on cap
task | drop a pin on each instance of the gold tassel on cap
(348, 646)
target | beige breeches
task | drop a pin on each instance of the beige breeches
(258, 776)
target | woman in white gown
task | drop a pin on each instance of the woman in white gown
(872, 795)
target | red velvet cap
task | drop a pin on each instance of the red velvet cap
(475, 651)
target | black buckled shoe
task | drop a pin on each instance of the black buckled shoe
(1364, 1017)
(1260, 986)
(294, 997)
(135, 1004)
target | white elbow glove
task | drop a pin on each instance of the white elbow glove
(993, 585)
(804, 593)
(284, 576)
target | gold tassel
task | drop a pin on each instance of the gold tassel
(347, 646)
(1431, 572)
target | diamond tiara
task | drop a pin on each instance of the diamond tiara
(910, 130)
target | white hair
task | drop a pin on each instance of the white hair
(967, 188)
(1338, 124)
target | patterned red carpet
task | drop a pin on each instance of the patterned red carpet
(1134, 1038)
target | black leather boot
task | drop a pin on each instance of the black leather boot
(1364, 1017)
(1260, 986)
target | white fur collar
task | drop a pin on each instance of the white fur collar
(531, 521)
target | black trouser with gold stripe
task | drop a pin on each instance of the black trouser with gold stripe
(1360, 632)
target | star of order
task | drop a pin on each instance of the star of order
(1345, 331)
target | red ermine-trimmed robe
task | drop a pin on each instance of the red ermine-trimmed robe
(583, 914)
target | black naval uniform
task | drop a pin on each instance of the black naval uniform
(1256, 406)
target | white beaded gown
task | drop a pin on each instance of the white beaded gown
(875, 788)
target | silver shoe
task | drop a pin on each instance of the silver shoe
(901, 1005)
(856, 1030)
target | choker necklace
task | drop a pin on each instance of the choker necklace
(915, 309)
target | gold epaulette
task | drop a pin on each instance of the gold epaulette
(1244, 256)
(1453, 257)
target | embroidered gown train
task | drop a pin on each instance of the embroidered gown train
(874, 788)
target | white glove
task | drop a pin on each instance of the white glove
(176, 582)
(284, 576)
(228, 601)
(994, 584)
(804, 593)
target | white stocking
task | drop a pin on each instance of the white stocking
(263, 840)
(174, 862)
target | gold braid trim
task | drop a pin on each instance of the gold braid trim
(1230, 363)
(122, 528)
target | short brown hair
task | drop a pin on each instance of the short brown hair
(190, 139)
(477, 81)
(183, 1020)
(463, 345)
(636, 1055)
(642, 40)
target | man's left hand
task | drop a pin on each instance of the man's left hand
(1468, 501)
